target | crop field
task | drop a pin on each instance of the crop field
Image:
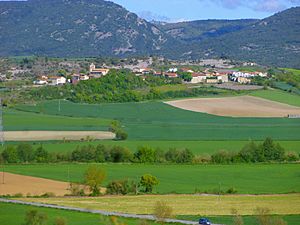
(242, 106)
(185, 204)
(197, 147)
(22, 121)
(278, 96)
(159, 121)
(12, 214)
(246, 179)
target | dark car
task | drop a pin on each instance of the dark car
(204, 221)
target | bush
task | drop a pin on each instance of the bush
(292, 157)
(145, 155)
(148, 182)
(121, 135)
(120, 154)
(121, 187)
(221, 157)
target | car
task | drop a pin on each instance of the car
(204, 221)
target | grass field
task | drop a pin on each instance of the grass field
(197, 147)
(278, 96)
(16, 120)
(158, 121)
(246, 179)
(248, 220)
(12, 214)
(185, 204)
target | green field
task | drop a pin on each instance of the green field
(278, 96)
(158, 121)
(246, 179)
(197, 147)
(17, 120)
(248, 220)
(12, 214)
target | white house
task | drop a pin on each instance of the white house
(198, 78)
(98, 71)
(173, 70)
(41, 80)
(56, 80)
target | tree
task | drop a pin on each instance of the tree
(145, 155)
(33, 217)
(60, 221)
(93, 178)
(237, 219)
(121, 135)
(25, 152)
(148, 181)
(10, 155)
(162, 211)
(41, 155)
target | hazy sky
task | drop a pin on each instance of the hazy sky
(206, 9)
(178, 10)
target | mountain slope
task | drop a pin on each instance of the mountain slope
(274, 41)
(192, 31)
(75, 28)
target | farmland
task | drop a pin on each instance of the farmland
(158, 121)
(12, 214)
(246, 179)
(185, 204)
(278, 96)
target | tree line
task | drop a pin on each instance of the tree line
(268, 151)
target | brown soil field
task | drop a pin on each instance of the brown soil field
(242, 106)
(14, 184)
(56, 135)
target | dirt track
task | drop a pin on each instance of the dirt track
(26, 185)
(243, 106)
(56, 135)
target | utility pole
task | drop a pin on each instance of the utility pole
(2, 137)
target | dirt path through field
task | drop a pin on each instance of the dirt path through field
(56, 135)
(14, 184)
(242, 106)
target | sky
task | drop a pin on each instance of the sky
(182, 10)
(185, 10)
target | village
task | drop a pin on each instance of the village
(188, 75)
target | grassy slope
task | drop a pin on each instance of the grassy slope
(252, 179)
(278, 96)
(185, 204)
(198, 147)
(11, 214)
(158, 121)
(16, 120)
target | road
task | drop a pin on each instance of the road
(101, 212)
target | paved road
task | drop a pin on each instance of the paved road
(101, 212)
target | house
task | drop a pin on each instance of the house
(212, 80)
(173, 70)
(43, 80)
(171, 75)
(56, 80)
(198, 78)
(97, 72)
(223, 77)
(187, 70)
(243, 80)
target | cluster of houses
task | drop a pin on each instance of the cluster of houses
(74, 78)
(208, 76)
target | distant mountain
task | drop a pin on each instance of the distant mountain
(194, 31)
(76, 28)
(271, 41)
(83, 28)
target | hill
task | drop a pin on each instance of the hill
(75, 28)
(84, 28)
(271, 41)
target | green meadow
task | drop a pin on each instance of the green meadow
(18, 120)
(245, 178)
(159, 121)
(278, 96)
(13, 214)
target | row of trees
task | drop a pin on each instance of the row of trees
(268, 151)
